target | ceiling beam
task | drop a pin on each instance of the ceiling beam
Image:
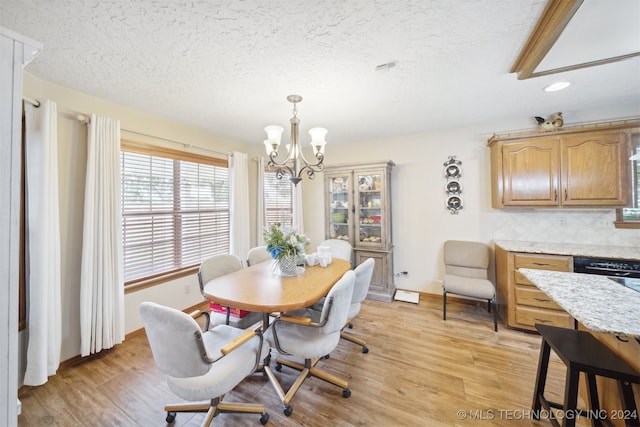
(552, 22)
(585, 65)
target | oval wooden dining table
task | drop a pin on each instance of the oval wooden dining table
(258, 288)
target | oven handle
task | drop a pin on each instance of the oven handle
(609, 272)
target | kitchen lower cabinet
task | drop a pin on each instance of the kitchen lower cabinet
(522, 303)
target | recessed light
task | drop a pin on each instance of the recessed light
(556, 86)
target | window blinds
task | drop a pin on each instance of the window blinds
(175, 213)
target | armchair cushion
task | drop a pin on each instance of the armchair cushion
(228, 371)
(477, 288)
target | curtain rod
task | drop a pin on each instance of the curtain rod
(87, 119)
(33, 102)
(184, 144)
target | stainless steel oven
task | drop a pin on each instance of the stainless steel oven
(625, 272)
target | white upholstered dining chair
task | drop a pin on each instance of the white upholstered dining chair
(309, 334)
(202, 366)
(339, 248)
(364, 272)
(466, 268)
(214, 267)
(258, 254)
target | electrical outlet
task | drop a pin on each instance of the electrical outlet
(562, 222)
(402, 274)
(602, 223)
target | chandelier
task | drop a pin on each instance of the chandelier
(295, 164)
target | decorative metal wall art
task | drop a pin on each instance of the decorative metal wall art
(453, 188)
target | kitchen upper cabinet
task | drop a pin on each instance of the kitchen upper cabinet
(529, 173)
(571, 167)
(594, 169)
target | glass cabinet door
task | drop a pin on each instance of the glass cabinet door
(370, 208)
(340, 202)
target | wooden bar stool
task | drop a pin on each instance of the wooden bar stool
(582, 352)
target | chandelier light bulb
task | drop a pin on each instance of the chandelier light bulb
(274, 134)
(317, 139)
(270, 147)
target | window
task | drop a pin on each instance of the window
(278, 200)
(630, 217)
(175, 211)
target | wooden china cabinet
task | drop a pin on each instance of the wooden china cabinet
(358, 211)
(580, 166)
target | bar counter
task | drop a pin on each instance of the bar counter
(600, 304)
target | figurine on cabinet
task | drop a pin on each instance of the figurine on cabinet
(553, 123)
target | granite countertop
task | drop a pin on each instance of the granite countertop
(596, 251)
(597, 302)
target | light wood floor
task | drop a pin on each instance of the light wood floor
(420, 371)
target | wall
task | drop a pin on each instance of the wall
(421, 223)
(72, 154)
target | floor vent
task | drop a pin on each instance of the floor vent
(407, 296)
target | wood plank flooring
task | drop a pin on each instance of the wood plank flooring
(420, 371)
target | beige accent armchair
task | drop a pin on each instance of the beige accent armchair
(467, 266)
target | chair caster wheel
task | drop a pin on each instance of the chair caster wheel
(346, 392)
(288, 410)
(365, 349)
(278, 367)
(171, 417)
(350, 325)
(326, 356)
(264, 419)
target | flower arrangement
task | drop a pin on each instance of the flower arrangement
(285, 246)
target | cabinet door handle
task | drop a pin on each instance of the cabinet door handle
(541, 263)
(555, 195)
(542, 320)
(565, 195)
(541, 299)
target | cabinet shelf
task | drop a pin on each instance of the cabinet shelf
(365, 190)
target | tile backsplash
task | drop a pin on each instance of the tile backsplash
(562, 226)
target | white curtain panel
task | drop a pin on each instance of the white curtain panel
(42, 238)
(101, 279)
(298, 222)
(260, 213)
(239, 195)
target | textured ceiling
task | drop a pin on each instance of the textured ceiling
(228, 66)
